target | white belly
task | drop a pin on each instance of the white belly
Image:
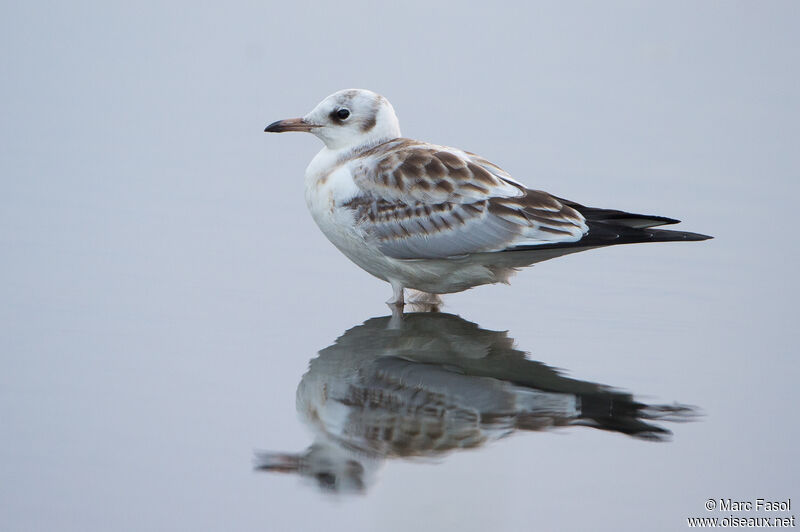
(324, 198)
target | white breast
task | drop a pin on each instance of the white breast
(328, 188)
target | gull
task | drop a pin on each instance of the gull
(436, 219)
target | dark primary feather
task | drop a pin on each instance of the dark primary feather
(607, 227)
(629, 219)
(620, 231)
(613, 232)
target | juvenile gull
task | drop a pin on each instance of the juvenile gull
(437, 219)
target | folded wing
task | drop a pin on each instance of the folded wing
(421, 201)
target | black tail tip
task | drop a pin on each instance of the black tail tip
(666, 235)
(697, 237)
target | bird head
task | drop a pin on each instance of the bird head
(346, 119)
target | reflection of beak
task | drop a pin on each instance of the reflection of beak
(290, 124)
(280, 462)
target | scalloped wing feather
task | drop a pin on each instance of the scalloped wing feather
(422, 201)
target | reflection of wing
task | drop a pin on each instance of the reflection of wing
(419, 200)
(404, 408)
(433, 383)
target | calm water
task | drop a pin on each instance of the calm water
(183, 350)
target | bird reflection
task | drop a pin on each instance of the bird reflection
(425, 384)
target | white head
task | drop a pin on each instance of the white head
(346, 119)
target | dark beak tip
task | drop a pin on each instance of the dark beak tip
(274, 127)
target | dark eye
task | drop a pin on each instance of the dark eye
(342, 114)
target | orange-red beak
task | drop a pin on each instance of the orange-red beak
(290, 124)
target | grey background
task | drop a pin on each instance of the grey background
(163, 287)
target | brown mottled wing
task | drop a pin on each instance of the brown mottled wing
(420, 201)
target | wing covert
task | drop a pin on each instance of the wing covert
(421, 201)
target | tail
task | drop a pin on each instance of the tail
(607, 227)
(611, 233)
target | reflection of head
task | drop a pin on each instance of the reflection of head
(332, 467)
(428, 384)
